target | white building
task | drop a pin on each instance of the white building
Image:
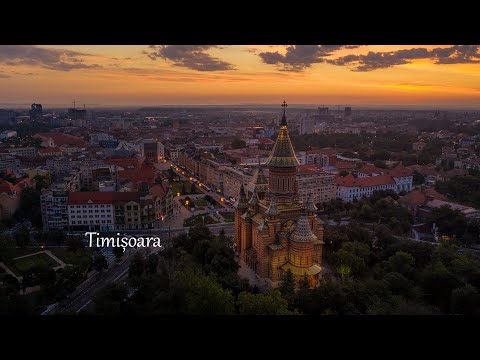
(7, 134)
(370, 178)
(92, 210)
(350, 187)
(24, 151)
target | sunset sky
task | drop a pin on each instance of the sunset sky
(96, 75)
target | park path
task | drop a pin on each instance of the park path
(2, 265)
(48, 252)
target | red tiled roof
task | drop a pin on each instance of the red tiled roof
(62, 139)
(6, 187)
(97, 197)
(421, 196)
(266, 141)
(352, 181)
(144, 174)
(400, 170)
(371, 169)
(124, 162)
(309, 168)
(344, 165)
(158, 190)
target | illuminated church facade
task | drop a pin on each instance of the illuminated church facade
(274, 231)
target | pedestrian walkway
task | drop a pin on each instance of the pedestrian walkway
(108, 253)
(8, 271)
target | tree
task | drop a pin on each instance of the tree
(171, 174)
(202, 295)
(438, 283)
(238, 144)
(137, 267)
(287, 287)
(347, 261)
(448, 221)
(380, 164)
(74, 243)
(118, 252)
(402, 263)
(271, 303)
(29, 207)
(418, 179)
(41, 182)
(465, 301)
(111, 300)
(99, 262)
(22, 236)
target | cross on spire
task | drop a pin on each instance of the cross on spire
(284, 119)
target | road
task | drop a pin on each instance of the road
(185, 176)
(81, 298)
(84, 294)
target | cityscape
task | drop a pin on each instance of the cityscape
(279, 180)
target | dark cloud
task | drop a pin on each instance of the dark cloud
(53, 59)
(457, 54)
(192, 57)
(299, 57)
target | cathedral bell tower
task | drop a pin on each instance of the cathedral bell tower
(282, 167)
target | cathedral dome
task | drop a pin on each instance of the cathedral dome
(303, 231)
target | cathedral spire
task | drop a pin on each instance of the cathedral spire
(242, 202)
(310, 205)
(254, 199)
(283, 154)
(272, 209)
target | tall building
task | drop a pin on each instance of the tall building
(6, 117)
(152, 150)
(307, 125)
(315, 182)
(348, 111)
(274, 231)
(54, 208)
(36, 112)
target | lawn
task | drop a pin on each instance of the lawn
(197, 220)
(23, 264)
(200, 202)
(81, 258)
(177, 187)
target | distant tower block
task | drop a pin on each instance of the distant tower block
(348, 111)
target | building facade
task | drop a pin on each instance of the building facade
(274, 233)
(54, 208)
(315, 182)
(152, 150)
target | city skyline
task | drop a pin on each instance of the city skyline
(141, 75)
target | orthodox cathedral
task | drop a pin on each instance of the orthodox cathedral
(274, 231)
